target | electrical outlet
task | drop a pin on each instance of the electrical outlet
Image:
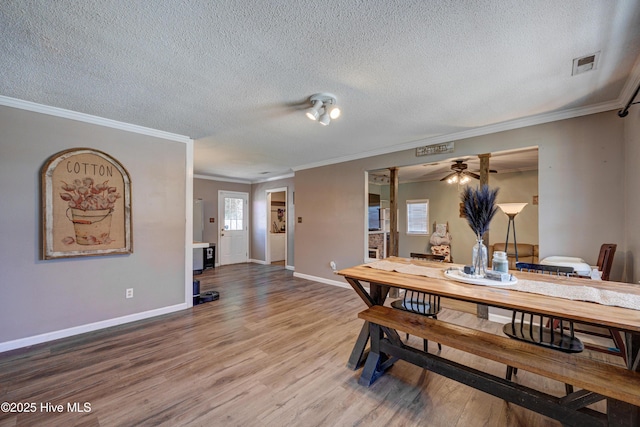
(332, 264)
(129, 293)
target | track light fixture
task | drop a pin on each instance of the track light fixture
(323, 108)
(314, 111)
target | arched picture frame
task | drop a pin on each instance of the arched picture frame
(86, 205)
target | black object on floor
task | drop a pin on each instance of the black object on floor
(196, 292)
(209, 296)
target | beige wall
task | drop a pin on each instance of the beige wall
(39, 298)
(632, 195)
(582, 199)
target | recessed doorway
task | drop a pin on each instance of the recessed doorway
(277, 228)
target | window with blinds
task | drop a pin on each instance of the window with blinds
(418, 216)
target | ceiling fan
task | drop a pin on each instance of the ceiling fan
(460, 174)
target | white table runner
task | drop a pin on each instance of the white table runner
(577, 293)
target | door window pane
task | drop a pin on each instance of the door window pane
(233, 214)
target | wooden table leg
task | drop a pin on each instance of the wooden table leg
(377, 362)
(622, 414)
(376, 296)
(359, 354)
(632, 344)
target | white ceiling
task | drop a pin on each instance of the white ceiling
(236, 75)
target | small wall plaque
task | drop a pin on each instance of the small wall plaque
(428, 150)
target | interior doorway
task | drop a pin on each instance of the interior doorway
(277, 230)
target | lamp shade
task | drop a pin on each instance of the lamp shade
(512, 208)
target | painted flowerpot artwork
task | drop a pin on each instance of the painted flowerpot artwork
(87, 205)
(90, 210)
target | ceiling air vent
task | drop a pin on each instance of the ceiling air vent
(586, 63)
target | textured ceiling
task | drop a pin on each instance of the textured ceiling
(235, 75)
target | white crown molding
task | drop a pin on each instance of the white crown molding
(631, 85)
(479, 131)
(87, 118)
(243, 181)
(274, 178)
(221, 178)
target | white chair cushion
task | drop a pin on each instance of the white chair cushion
(578, 264)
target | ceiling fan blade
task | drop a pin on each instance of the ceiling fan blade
(449, 176)
(490, 171)
(471, 174)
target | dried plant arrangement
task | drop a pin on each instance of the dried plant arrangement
(479, 207)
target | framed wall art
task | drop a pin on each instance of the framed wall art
(86, 205)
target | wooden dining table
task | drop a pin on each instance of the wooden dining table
(623, 319)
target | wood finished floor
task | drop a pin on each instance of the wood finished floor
(271, 352)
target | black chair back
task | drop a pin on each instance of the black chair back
(546, 331)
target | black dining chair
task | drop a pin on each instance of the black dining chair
(421, 302)
(427, 257)
(545, 331)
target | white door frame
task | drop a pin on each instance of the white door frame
(221, 196)
(267, 243)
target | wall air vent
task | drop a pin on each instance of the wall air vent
(585, 63)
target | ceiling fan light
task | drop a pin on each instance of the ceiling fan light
(453, 179)
(464, 180)
(313, 112)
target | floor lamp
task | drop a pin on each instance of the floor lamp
(512, 209)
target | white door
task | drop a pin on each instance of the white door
(234, 227)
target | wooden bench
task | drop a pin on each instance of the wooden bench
(601, 378)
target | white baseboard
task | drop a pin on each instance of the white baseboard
(322, 280)
(77, 330)
(499, 318)
(261, 262)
